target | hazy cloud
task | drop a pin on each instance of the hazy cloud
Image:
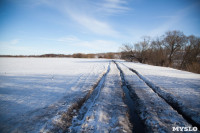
(85, 13)
(114, 6)
(94, 25)
(97, 45)
(11, 42)
(67, 39)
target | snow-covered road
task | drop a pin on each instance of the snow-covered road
(107, 113)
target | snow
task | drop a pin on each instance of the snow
(107, 113)
(86, 95)
(157, 115)
(179, 88)
(34, 90)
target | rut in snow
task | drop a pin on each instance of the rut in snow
(65, 120)
(155, 113)
(170, 99)
(109, 113)
(136, 122)
(86, 106)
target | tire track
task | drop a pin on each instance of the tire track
(138, 126)
(155, 112)
(64, 120)
(83, 109)
(109, 113)
(191, 117)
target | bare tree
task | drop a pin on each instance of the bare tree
(90, 55)
(142, 49)
(131, 52)
(78, 55)
(173, 49)
(191, 54)
(158, 53)
(173, 41)
(109, 55)
(127, 52)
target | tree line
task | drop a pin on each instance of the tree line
(109, 55)
(173, 49)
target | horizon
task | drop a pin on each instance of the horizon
(61, 54)
(38, 27)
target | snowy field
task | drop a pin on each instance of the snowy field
(34, 90)
(86, 95)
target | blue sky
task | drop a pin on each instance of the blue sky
(33, 27)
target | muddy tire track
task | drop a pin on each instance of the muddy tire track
(156, 114)
(192, 117)
(137, 125)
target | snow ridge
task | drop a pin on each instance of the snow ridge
(192, 116)
(63, 121)
(158, 116)
(107, 112)
(81, 116)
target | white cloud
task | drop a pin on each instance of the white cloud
(11, 42)
(97, 45)
(85, 13)
(89, 45)
(86, 17)
(114, 6)
(103, 45)
(81, 46)
(67, 39)
(94, 25)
